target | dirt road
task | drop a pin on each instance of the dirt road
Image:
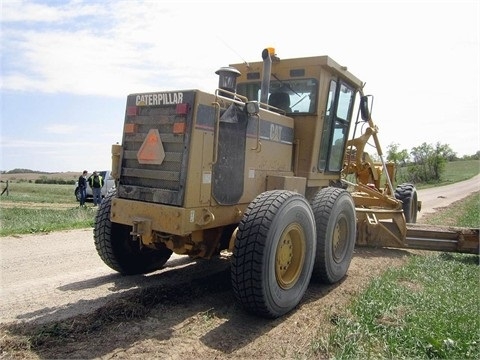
(439, 197)
(58, 276)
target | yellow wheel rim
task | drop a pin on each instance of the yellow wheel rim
(339, 239)
(290, 256)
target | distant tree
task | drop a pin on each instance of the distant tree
(399, 157)
(429, 162)
(446, 151)
(42, 180)
(20, 171)
(475, 156)
(419, 169)
(25, 171)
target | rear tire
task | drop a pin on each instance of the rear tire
(336, 225)
(274, 253)
(77, 194)
(116, 248)
(408, 195)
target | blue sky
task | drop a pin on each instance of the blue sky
(68, 66)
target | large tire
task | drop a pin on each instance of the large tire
(116, 248)
(336, 225)
(274, 253)
(408, 195)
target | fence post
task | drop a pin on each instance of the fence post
(5, 190)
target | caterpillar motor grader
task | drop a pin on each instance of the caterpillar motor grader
(262, 168)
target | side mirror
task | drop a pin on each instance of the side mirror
(364, 108)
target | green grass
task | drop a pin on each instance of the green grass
(40, 193)
(461, 170)
(36, 208)
(427, 309)
(23, 221)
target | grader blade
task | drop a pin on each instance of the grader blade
(387, 228)
(443, 238)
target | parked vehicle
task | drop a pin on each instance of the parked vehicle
(108, 183)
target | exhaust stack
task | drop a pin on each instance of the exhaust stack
(267, 70)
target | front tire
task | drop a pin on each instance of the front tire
(336, 225)
(116, 248)
(274, 253)
(408, 195)
(77, 194)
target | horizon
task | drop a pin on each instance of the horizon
(28, 171)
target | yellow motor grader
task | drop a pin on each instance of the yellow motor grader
(262, 168)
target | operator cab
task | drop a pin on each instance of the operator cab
(319, 95)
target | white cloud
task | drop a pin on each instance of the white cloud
(28, 11)
(140, 46)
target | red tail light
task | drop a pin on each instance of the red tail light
(132, 111)
(182, 109)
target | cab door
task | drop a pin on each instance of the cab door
(338, 115)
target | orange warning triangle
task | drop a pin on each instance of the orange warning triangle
(151, 151)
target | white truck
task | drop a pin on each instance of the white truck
(108, 183)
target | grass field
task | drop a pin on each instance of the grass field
(40, 193)
(34, 208)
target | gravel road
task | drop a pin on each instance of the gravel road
(440, 197)
(42, 276)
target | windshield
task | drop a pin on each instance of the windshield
(292, 96)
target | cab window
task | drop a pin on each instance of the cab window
(296, 96)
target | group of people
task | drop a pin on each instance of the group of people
(95, 181)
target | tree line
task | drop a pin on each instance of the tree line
(46, 180)
(424, 163)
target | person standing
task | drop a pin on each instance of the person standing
(82, 187)
(96, 183)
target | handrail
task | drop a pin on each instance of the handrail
(216, 131)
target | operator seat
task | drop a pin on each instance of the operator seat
(280, 100)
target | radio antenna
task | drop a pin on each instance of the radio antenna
(233, 50)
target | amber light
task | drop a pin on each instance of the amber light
(130, 128)
(179, 128)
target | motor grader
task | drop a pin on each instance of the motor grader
(264, 170)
